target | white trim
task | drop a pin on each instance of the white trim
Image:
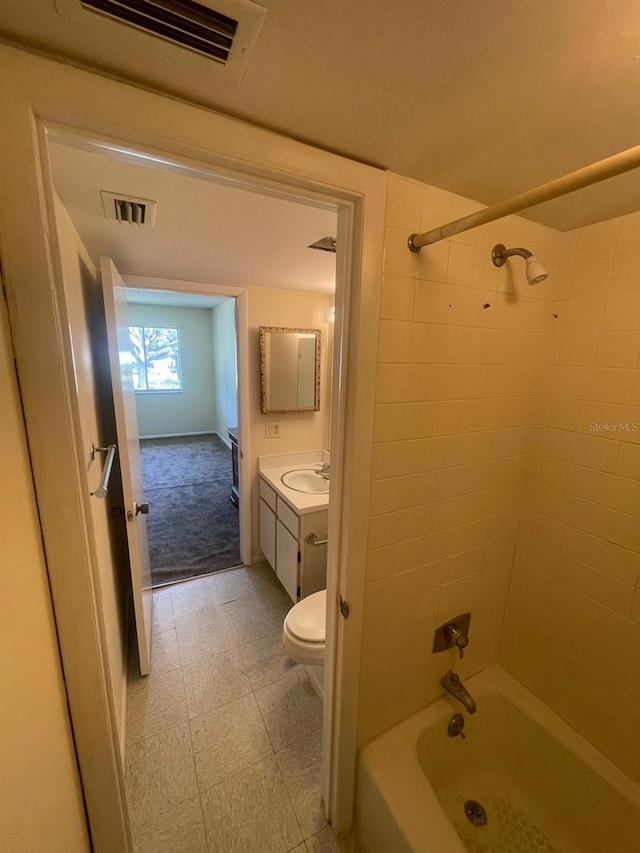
(95, 107)
(226, 439)
(180, 434)
(155, 282)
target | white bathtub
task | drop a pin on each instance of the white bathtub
(543, 787)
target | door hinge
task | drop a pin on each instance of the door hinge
(299, 556)
(298, 593)
(344, 608)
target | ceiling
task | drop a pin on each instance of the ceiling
(172, 298)
(480, 97)
(203, 230)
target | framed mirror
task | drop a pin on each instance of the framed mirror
(289, 369)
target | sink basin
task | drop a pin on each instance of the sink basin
(306, 480)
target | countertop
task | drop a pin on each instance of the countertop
(300, 502)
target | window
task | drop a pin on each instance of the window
(156, 358)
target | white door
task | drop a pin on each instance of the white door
(120, 359)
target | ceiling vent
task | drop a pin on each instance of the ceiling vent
(223, 30)
(127, 208)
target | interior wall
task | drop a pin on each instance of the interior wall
(298, 431)
(42, 806)
(192, 409)
(572, 628)
(85, 312)
(99, 103)
(461, 361)
(225, 366)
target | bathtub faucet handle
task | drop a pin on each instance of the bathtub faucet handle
(455, 726)
(457, 638)
(453, 632)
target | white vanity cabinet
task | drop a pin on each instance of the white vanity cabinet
(301, 567)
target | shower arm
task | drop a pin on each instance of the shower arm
(500, 254)
(617, 164)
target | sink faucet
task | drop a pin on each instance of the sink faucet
(323, 470)
(452, 684)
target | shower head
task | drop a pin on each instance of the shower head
(536, 273)
(325, 244)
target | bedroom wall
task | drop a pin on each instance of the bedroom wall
(225, 367)
(193, 409)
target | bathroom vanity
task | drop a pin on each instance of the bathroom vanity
(291, 521)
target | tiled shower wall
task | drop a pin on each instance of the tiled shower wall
(572, 627)
(462, 365)
(490, 397)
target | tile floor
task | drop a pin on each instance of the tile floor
(224, 736)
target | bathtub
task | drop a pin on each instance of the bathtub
(542, 787)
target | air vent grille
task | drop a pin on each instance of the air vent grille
(125, 208)
(183, 22)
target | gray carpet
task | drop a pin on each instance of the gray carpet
(192, 525)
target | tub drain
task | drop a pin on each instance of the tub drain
(475, 813)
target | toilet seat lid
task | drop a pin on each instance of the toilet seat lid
(306, 620)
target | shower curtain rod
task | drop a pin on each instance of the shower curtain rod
(617, 164)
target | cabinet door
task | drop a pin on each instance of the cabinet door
(287, 560)
(268, 533)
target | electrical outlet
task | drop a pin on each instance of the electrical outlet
(272, 430)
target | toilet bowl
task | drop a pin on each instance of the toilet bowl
(304, 629)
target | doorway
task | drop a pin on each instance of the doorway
(187, 405)
(271, 596)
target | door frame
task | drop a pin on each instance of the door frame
(120, 114)
(239, 294)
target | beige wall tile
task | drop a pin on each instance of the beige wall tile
(622, 311)
(433, 262)
(628, 234)
(611, 384)
(493, 487)
(398, 260)
(394, 341)
(618, 349)
(404, 204)
(597, 241)
(590, 278)
(437, 207)
(397, 297)
(462, 264)
(625, 274)
(578, 348)
(391, 383)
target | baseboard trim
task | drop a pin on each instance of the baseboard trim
(181, 434)
(224, 438)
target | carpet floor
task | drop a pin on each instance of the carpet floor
(193, 528)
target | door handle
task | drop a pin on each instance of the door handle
(139, 508)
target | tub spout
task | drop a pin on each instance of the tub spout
(452, 684)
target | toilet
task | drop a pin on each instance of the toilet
(303, 635)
